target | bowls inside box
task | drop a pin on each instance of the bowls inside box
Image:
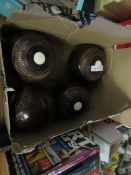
(32, 56)
(33, 107)
(87, 62)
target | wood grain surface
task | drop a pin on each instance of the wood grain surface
(3, 164)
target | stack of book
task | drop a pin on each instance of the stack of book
(68, 154)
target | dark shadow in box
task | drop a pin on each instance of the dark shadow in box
(4, 137)
(12, 78)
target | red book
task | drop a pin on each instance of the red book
(94, 172)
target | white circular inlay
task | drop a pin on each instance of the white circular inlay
(97, 67)
(39, 58)
(77, 106)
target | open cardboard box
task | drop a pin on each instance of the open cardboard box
(112, 96)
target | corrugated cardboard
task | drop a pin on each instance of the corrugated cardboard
(112, 95)
(115, 10)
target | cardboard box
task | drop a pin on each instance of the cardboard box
(104, 133)
(116, 10)
(112, 96)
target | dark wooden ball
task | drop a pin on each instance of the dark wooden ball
(34, 108)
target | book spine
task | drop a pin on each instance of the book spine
(17, 164)
(62, 153)
(94, 172)
(25, 164)
(63, 144)
(51, 154)
(85, 167)
(48, 157)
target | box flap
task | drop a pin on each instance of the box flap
(27, 15)
(101, 31)
(56, 26)
(53, 128)
(105, 130)
(123, 117)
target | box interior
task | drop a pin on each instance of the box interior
(112, 95)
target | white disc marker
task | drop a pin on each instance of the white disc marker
(39, 58)
(77, 106)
